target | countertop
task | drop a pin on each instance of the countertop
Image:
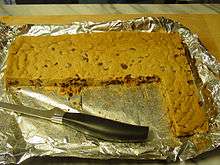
(204, 20)
(87, 9)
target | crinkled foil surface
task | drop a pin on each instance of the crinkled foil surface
(22, 137)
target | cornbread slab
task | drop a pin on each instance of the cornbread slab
(127, 58)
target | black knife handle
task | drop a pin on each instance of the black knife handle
(105, 129)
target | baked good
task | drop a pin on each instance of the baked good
(69, 61)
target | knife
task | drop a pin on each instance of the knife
(98, 127)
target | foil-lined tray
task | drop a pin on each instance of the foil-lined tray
(22, 137)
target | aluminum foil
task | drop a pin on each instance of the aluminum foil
(22, 137)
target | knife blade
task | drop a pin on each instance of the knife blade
(95, 126)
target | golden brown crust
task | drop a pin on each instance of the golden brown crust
(106, 58)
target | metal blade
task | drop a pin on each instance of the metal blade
(29, 111)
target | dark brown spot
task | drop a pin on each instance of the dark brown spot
(68, 65)
(83, 82)
(117, 82)
(132, 60)
(190, 82)
(53, 48)
(105, 68)
(139, 61)
(55, 84)
(85, 57)
(113, 82)
(100, 63)
(73, 49)
(191, 94)
(76, 83)
(180, 92)
(176, 55)
(162, 68)
(56, 63)
(46, 65)
(147, 79)
(200, 103)
(133, 26)
(128, 78)
(70, 94)
(70, 81)
(64, 85)
(117, 54)
(39, 80)
(118, 78)
(77, 77)
(179, 48)
(124, 66)
(132, 49)
(175, 110)
(13, 82)
(31, 82)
